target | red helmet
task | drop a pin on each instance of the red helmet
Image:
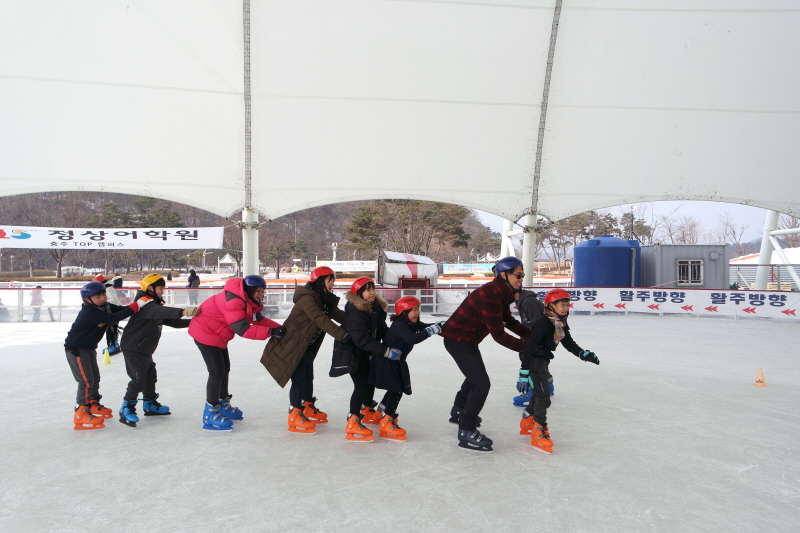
(101, 278)
(360, 282)
(405, 303)
(555, 295)
(320, 272)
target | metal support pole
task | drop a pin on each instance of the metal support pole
(249, 227)
(786, 262)
(528, 249)
(506, 246)
(765, 256)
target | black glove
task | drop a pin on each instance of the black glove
(589, 357)
(277, 332)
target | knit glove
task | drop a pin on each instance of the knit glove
(141, 302)
(435, 329)
(277, 332)
(392, 353)
(191, 311)
(523, 382)
(589, 357)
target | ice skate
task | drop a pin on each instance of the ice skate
(455, 412)
(540, 438)
(127, 413)
(370, 415)
(98, 409)
(311, 412)
(151, 407)
(390, 430)
(474, 440)
(213, 421)
(523, 400)
(298, 423)
(229, 411)
(356, 431)
(84, 420)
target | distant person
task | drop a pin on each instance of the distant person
(4, 314)
(546, 334)
(140, 341)
(169, 275)
(484, 311)
(193, 281)
(94, 318)
(37, 299)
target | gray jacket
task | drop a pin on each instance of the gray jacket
(530, 307)
(143, 330)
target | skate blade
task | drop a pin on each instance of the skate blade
(128, 422)
(84, 428)
(353, 438)
(466, 446)
(546, 450)
(149, 413)
(301, 430)
(209, 427)
(399, 438)
(317, 420)
(521, 404)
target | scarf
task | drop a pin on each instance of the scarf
(558, 322)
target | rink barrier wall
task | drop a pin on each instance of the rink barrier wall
(61, 304)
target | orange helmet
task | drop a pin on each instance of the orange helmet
(555, 295)
(405, 303)
(101, 278)
(360, 282)
(320, 272)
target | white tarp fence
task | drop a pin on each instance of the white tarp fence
(350, 266)
(115, 238)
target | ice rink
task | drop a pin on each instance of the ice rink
(667, 434)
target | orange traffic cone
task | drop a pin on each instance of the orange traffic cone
(760, 382)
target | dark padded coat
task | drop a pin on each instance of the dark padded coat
(281, 356)
(394, 375)
(143, 331)
(366, 324)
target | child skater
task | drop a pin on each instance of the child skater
(365, 321)
(95, 317)
(530, 309)
(292, 356)
(140, 341)
(234, 311)
(393, 374)
(546, 334)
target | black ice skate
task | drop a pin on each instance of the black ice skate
(474, 440)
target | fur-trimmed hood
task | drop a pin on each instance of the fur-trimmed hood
(362, 305)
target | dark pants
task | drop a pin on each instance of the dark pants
(83, 364)
(390, 402)
(218, 363)
(142, 371)
(475, 389)
(540, 401)
(302, 388)
(362, 391)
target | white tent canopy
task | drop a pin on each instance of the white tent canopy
(435, 100)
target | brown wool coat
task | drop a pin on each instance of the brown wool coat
(281, 356)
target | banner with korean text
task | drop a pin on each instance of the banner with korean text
(111, 238)
(699, 302)
(350, 266)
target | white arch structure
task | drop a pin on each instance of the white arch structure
(450, 101)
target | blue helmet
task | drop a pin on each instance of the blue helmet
(254, 281)
(92, 288)
(506, 264)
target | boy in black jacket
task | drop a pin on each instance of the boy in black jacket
(95, 317)
(546, 334)
(140, 341)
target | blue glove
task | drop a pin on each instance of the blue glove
(589, 357)
(392, 353)
(433, 330)
(523, 382)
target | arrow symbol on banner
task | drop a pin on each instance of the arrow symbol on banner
(653, 306)
(599, 306)
(620, 306)
(687, 307)
(789, 312)
(712, 309)
(571, 305)
(751, 310)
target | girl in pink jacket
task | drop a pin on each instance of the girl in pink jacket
(234, 311)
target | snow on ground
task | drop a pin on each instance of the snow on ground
(667, 434)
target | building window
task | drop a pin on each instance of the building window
(690, 272)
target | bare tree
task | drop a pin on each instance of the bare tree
(683, 230)
(792, 240)
(728, 232)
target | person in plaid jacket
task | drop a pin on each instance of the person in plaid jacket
(486, 311)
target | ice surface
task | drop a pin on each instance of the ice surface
(667, 434)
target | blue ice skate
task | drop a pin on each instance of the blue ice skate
(151, 407)
(523, 400)
(127, 413)
(229, 411)
(213, 421)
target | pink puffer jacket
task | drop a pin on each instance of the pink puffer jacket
(218, 313)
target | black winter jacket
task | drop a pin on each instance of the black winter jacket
(394, 375)
(91, 323)
(540, 342)
(366, 324)
(143, 330)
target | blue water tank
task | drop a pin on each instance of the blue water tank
(608, 261)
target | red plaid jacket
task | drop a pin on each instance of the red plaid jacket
(486, 310)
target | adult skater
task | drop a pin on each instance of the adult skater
(485, 311)
(292, 356)
(546, 334)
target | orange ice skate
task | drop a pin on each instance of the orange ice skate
(313, 414)
(356, 431)
(83, 419)
(298, 423)
(540, 438)
(390, 430)
(98, 409)
(370, 415)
